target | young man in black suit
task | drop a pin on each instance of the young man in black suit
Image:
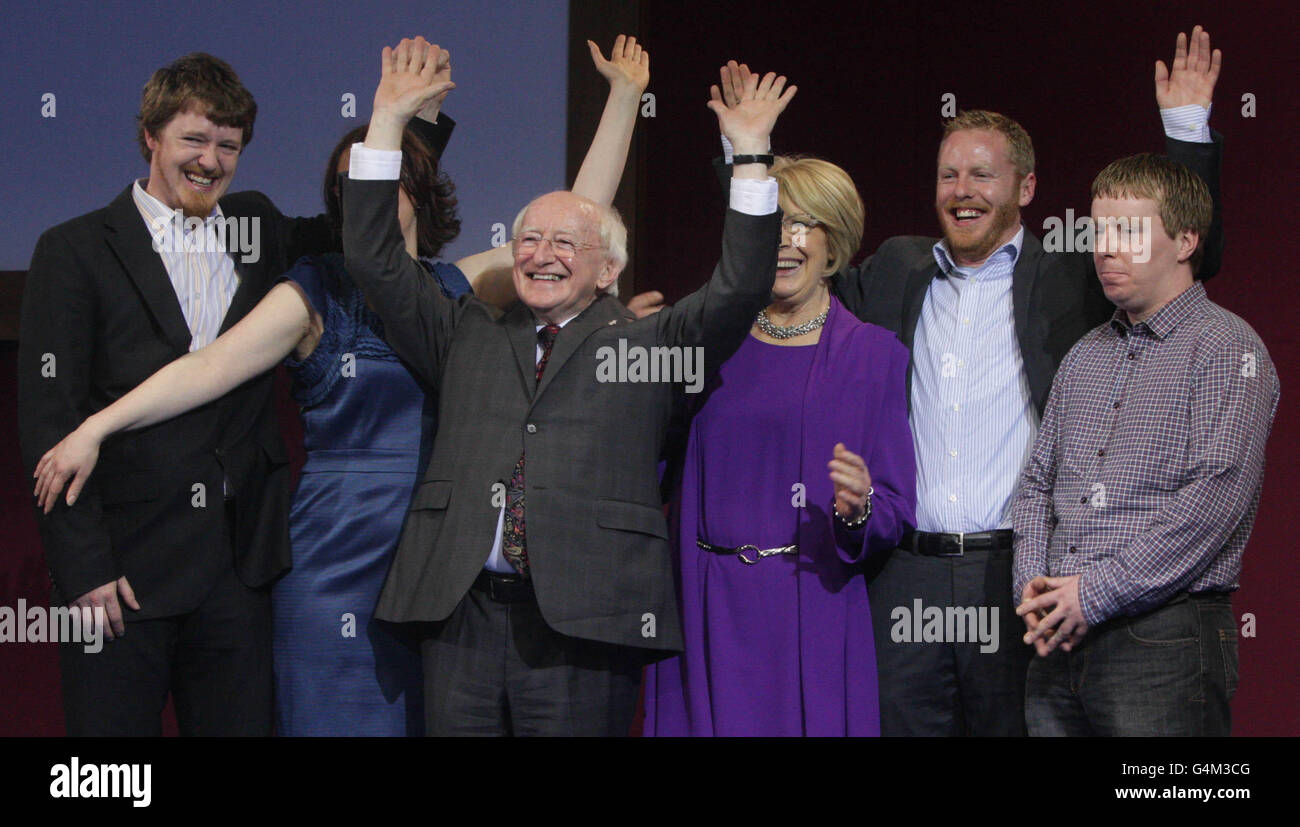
(180, 533)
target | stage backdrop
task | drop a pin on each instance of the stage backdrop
(510, 63)
(84, 63)
(872, 79)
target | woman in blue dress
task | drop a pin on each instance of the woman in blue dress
(367, 424)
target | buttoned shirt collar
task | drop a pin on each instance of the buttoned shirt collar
(156, 213)
(951, 268)
(1163, 321)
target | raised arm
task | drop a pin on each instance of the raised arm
(628, 73)
(719, 314)
(272, 330)
(417, 316)
(1184, 93)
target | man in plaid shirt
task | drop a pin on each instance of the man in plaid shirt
(1139, 496)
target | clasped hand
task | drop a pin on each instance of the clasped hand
(1053, 614)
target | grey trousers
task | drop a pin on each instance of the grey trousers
(947, 688)
(496, 668)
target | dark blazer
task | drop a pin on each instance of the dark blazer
(597, 539)
(1056, 297)
(98, 301)
(99, 316)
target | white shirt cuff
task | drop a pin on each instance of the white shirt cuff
(368, 164)
(754, 196)
(1187, 123)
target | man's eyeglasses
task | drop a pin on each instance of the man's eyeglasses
(527, 243)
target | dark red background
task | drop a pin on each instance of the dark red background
(1077, 76)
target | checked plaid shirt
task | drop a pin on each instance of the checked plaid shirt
(1146, 473)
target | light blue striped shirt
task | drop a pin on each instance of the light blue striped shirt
(973, 419)
(201, 272)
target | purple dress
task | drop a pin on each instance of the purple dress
(784, 647)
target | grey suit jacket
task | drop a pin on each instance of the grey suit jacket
(598, 543)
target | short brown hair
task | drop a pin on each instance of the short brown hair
(1181, 196)
(829, 195)
(200, 82)
(432, 193)
(1019, 145)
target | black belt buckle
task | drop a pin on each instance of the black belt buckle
(949, 548)
(504, 588)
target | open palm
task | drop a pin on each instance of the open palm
(758, 104)
(411, 77)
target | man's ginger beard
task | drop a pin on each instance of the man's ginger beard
(963, 245)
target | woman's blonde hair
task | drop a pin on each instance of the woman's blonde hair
(827, 193)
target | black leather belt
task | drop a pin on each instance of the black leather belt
(941, 544)
(504, 588)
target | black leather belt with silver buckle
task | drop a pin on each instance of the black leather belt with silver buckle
(504, 588)
(941, 544)
(748, 551)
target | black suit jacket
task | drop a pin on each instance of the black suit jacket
(598, 543)
(1056, 297)
(99, 316)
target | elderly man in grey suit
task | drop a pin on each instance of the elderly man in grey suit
(535, 554)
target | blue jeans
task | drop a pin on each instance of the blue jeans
(1170, 671)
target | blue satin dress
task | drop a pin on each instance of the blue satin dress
(368, 424)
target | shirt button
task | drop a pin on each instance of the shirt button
(1132, 356)
(532, 429)
(952, 453)
(966, 320)
(956, 407)
(952, 498)
(1101, 452)
(961, 363)
(1117, 406)
(1073, 549)
(1083, 501)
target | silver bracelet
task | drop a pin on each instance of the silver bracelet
(860, 521)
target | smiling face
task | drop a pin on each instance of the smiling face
(192, 162)
(978, 194)
(1140, 267)
(803, 260)
(558, 284)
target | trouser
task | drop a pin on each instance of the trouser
(494, 667)
(949, 686)
(1170, 671)
(215, 661)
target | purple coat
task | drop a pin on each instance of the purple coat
(784, 647)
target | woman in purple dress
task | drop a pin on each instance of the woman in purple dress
(798, 465)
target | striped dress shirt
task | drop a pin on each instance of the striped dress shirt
(201, 272)
(1146, 474)
(973, 419)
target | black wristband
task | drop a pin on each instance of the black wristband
(737, 160)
